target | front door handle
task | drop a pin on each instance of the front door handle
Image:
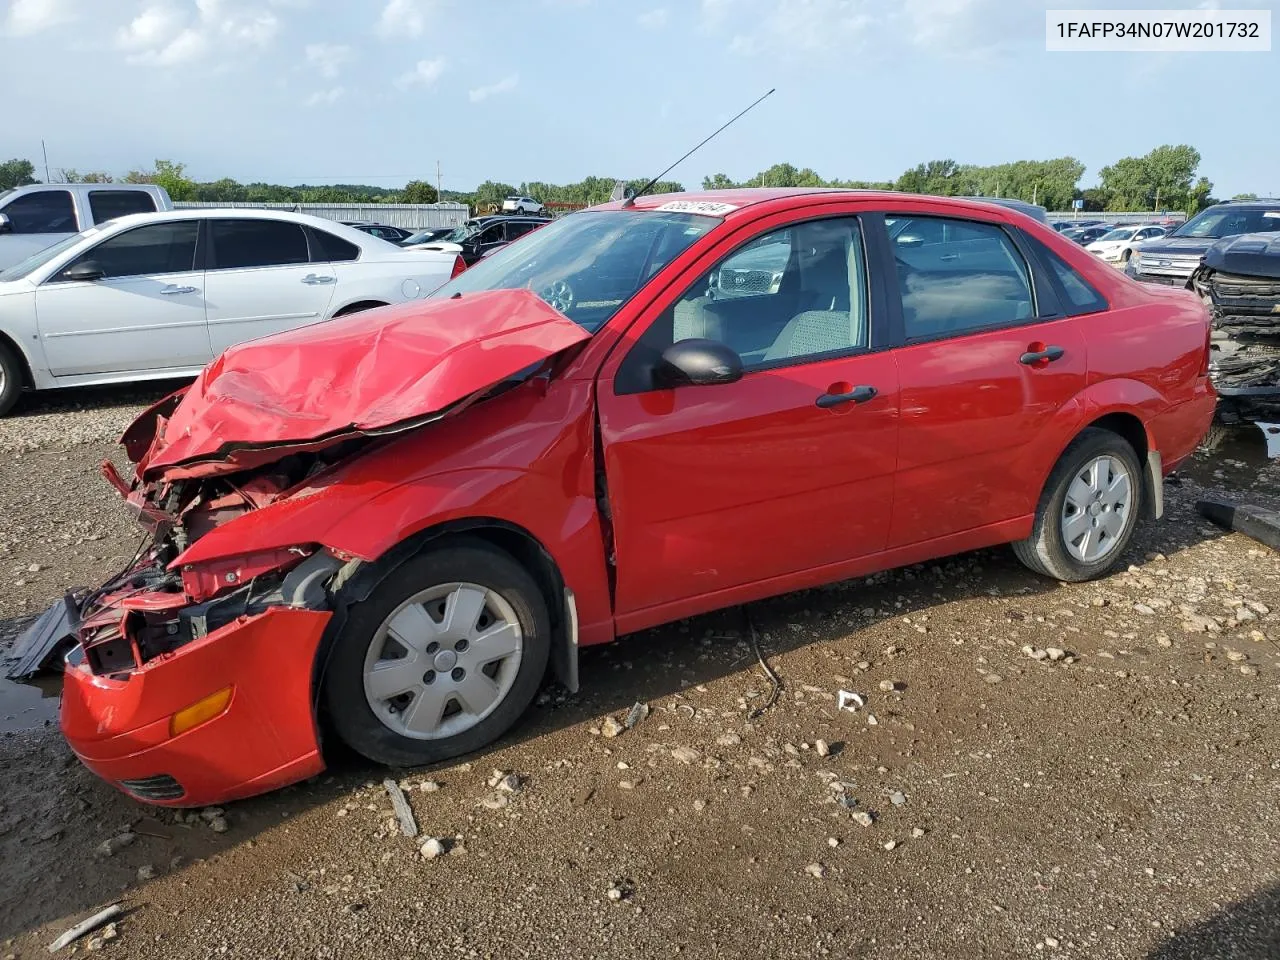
(1034, 358)
(314, 278)
(856, 395)
(171, 289)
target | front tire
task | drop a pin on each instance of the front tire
(10, 379)
(1088, 510)
(441, 659)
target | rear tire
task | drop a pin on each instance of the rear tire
(11, 377)
(1084, 520)
(386, 729)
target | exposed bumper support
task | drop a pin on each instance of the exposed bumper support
(1155, 483)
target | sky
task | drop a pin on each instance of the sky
(379, 91)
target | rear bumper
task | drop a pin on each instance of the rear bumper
(264, 739)
(1178, 431)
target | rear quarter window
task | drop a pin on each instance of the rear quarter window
(1078, 295)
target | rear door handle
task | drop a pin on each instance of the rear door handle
(170, 290)
(314, 278)
(1049, 354)
(856, 395)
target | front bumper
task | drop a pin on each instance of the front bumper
(265, 738)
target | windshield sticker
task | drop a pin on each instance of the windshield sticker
(1271, 214)
(710, 208)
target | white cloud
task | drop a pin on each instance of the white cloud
(325, 97)
(329, 58)
(654, 19)
(714, 12)
(165, 35)
(505, 85)
(31, 16)
(971, 29)
(803, 27)
(424, 73)
(401, 19)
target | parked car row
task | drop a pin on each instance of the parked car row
(481, 236)
(1117, 246)
(149, 296)
(392, 527)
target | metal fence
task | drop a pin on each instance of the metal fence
(1121, 219)
(411, 216)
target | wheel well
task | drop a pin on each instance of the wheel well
(358, 581)
(1129, 428)
(8, 342)
(360, 305)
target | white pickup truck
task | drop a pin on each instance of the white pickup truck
(38, 216)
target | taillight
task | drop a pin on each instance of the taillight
(458, 266)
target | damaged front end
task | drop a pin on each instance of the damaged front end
(158, 604)
(1240, 279)
(267, 422)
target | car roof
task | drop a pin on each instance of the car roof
(738, 198)
(229, 213)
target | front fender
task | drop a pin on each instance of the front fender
(355, 521)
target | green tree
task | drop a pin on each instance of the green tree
(1163, 179)
(1245, 196)
(16, 173)
(169, 175)
(419, 191)
(70, 175)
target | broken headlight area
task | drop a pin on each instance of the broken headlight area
(145, 614)
(1245, 343)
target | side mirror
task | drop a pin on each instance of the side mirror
(6, 225)
(84, 270)
(696, 362)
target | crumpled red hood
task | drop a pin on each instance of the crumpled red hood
(364, 374)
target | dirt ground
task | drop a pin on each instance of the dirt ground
(988, 800)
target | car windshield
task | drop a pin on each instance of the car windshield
(1124, 233)
(1215, 223)
(587, 265)
(467, 230)
(423, 236)
(24, 268)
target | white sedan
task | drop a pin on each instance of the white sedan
(159, 295)
(1117, 246)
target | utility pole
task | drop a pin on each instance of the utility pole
(1035, 192)
(438, 198)
(1157, 199)
(46, 160)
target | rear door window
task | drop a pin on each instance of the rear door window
(108, 204)
(239, 244)
(44, 211)
(957, 276)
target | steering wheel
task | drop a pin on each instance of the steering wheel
(559, 295)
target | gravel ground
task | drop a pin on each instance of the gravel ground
(1038, 770)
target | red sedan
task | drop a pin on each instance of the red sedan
(402, 519)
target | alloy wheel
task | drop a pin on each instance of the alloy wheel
(443, 661)
(1095, 511)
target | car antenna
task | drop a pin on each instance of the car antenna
(630, 201)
